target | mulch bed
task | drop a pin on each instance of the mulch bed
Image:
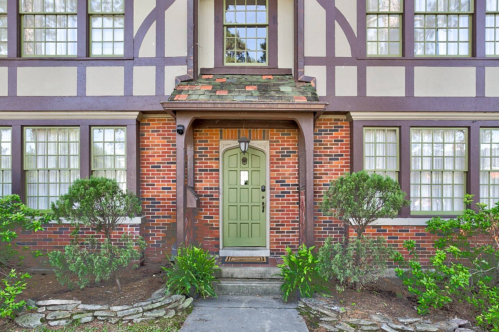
(137, 285)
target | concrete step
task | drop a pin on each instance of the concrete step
(227, 272)
(249, 287)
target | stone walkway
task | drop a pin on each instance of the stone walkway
(244, 313)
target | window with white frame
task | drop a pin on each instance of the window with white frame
(109, 154)
(381, 151)
(443, 27)
(49, 28)
(5, 161)
(492, 28)
(3, 28)
(489, 166)
(107, 27)
(51, 163)
(384, 27)
(438, 170)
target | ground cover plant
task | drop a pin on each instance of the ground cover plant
(15, 217)
(300, 273)
(464, 269)
(359, 199)
(192, 273)
(100, 204)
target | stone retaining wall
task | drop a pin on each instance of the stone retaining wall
(64, 312)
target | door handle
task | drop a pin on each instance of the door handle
(263, 207)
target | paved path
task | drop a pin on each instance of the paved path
(244, 314)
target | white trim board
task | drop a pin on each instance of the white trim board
(127, 221)
(401, 222)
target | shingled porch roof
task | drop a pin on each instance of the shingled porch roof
(245, 88)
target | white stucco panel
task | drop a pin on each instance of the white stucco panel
(349, 9)
(141, 8)
(47, 81)
(144, 81)
(320, 73)
(385, 81)
(445, 82)
(491, 82)
(148, 46)
(176, 29)
(286, 56)
(4, 81)
(315, 29)
(341, 45)
(345, 81)
(106, 81)
(170, 73)
(206, 34)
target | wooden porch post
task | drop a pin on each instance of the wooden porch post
(306, 169)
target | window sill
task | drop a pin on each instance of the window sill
(411, 221)
(234, 70)
(128, 221)
(402, 58)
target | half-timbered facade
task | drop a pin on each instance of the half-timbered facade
(157, 94)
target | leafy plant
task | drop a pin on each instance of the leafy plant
(192, 273)
(359, 199)
(12, 286)
(100, 204)
(337, 262)
(95, 261)
(300, 272)
(15, 217)
(465, 266)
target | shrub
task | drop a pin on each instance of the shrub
(337, 262)
(100, 204)
(300, 272)
(95, 261)
(192, 273)
(359, 199)
(15, 217)
(12, 286)
(464, 268)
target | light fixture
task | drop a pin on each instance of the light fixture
(244, 144)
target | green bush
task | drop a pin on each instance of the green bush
(95, 261)
(98, 203)
(192, 273)
(300, 272)
(337, 261)
(464, 269)
(15, 217)
(12, 286)
(359, 199)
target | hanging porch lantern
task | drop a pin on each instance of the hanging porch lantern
(244, 144)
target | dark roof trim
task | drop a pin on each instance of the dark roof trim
(171, 106)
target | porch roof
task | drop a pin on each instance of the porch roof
(245, 89)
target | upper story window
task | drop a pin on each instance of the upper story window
(48, 27)
(443, 27)
(492, 28)
(107, 27)
(381, 151)
(384, 27)
(3, 28)
(246, 32)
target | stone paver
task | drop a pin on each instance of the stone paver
(244, 314)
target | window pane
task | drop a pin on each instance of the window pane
(109, 153)
(383, 35)
(438, 177)
(381, 151)
(107, 35)
(51, 155)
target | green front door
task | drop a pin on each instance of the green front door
(244, 202)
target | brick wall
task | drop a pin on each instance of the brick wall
(158, 188)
